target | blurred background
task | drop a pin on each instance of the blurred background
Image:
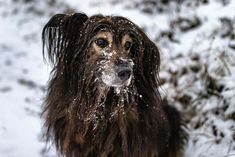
(197, 43)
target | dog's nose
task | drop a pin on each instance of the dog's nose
(124, 74)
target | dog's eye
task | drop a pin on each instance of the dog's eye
(127, 45)
(101, 42)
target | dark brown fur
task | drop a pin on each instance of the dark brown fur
(84, 118)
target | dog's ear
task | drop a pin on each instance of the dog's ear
(151, 60)
(60, 31)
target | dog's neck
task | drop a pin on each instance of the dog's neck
(107, 102)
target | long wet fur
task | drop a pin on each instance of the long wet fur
(85, 118)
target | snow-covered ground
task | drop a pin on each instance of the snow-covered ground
(197, 43)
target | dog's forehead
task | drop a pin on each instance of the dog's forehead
(116, 25)
(110, 35)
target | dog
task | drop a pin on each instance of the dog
(102, 98)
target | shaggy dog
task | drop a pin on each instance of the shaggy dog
(103, 98)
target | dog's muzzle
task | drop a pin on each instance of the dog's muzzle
(120, 75)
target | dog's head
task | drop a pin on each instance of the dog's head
(100, 51)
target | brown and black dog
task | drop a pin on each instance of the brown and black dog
(103, 98)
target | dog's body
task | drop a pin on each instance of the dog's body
(102, 98)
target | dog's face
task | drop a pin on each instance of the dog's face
(116, 66)
(107, 51)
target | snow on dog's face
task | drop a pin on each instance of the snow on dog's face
(116, 66)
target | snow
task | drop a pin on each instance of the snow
(197, 66)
